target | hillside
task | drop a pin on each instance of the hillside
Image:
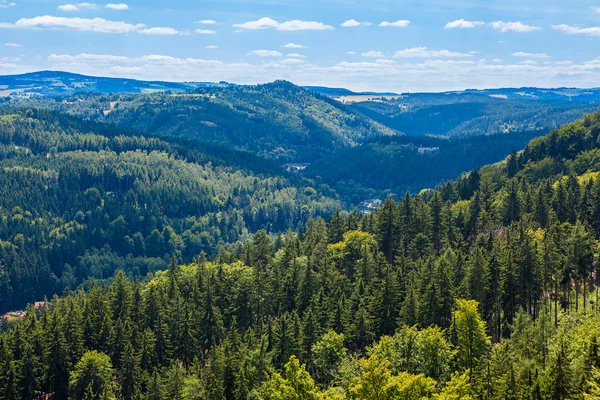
(279, 121)
(473, 114)
(486, 287)
(81, 200)
(391, 166)
(57, 83)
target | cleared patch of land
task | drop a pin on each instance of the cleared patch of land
(366, 97)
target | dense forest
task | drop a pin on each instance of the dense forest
(279, 121)
(484, 288)
(283, 123)
(389, 166)
(474, 113)
(80, 201)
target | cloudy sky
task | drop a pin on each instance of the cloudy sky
(382, 45)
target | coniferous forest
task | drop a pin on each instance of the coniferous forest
(174, 273)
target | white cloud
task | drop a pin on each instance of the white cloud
(100, 25)
(574, 30)
(530, 55)
(157, 58)
(263, 23)
(207, 22)
(210, 47)
(265, 53)
(68, 7)
(405, 75)
(528, 62)
(7, 4)
(77, 7)
(206, 31)
(295, 25)
(117, 7)
(513, 27)
(497, 60)
(423, 52)
(160, 31)
(397, 24)
(372, 53)
(596, 9)
(95, 58)
(295, 55)
(292, 61)
(292, 45)
(78, 24)
(12, 45)
(351, 23)
(462, 24)
(352, 53)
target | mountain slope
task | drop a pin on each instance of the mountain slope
(81, 200)
(465, 114)
(387, 166)
(280, 121)
(57, 83)
(488, 285)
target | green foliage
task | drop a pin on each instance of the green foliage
(92, 378)
(328, 354)
(469, 331)
(80, 203)
(485, 288)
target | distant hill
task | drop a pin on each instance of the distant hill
(391, 166)
(280, 121)
(481, 112)
(56, 83)
(339, 92)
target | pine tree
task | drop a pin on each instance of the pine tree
(56, 357)
(386, 303)
(283, 340)
(130, 374)
(557, 379)
(512, 207)
(512, 166)
(388, 229)
(173, 387)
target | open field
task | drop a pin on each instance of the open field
(368, 97)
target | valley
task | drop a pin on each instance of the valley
(253, 242)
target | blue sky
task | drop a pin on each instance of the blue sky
(383, 45)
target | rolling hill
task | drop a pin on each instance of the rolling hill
(57, 83)
(279, 121)
(80, 200)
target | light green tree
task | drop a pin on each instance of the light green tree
(328, 353)
(469, 332)
(92, 378)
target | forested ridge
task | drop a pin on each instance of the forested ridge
(463, 114)
(389, 166)
(80, 201)
(279, 121)
(486, 287)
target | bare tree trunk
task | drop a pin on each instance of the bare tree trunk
(556, 304)
(576, 296)
(585, 294)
